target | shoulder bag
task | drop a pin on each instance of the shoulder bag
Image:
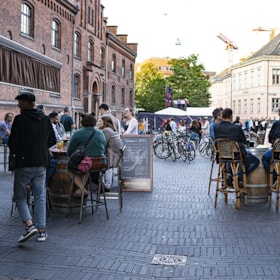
(78, 161)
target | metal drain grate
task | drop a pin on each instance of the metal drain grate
(169, 259)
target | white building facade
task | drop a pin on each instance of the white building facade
(251, 88)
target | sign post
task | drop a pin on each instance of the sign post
(137, 166)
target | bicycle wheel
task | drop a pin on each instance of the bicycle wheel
(161, 150)
(190, 151)
(182, 150)
(205, 149)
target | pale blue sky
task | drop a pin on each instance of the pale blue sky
(156, 24)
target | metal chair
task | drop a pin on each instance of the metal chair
(94, 199)
(229, 155)
(118, 193)
(274, 187)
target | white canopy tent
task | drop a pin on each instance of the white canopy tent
(171, 111)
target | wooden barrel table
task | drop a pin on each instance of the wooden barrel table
(257, 180)
(59, 186)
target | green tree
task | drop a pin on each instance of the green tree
(149, 88)
(189, 81)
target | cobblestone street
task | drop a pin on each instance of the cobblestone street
(176, 218)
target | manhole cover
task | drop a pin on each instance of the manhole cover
(169, 259)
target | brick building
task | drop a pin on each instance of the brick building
(66, 54)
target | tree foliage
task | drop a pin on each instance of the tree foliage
(189, 81)
(149, 88)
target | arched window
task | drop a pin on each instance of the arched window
(77, 44)
(90, 56)
(113, 97)
(77, 86)
(56, 34)
(27, 19)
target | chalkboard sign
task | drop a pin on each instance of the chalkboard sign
(137, 166)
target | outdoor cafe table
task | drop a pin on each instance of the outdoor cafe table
(59, 186)
(257, 180)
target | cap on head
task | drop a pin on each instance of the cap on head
(26, 95)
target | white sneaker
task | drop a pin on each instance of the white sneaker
(28, 234)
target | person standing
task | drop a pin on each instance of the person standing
(173, 125)
(105, 111)
(205, 126)
(31, 137)
(5, 128)
(67, 121)
(131, 125)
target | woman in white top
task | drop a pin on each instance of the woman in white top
(131, 126)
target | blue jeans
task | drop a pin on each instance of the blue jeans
(253, 164)
(5, 139)
(35, 176)
(266, 163)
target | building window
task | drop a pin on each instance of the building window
(90, 57)
(251, 106)
(246, 80)
(123, 68)
(245, 106)
(258, 105)
(77, 44)
(275, 76)
(113, 97)
(55, 34)
(114, 60)
(102, 58)
(27, 19)
(233, 106)
(239, 107)
(131, 72)
(252, 78)
(77, 82)
(90, 16)
(259, 76)
(239, 81)
(122, 97)
(275, 104)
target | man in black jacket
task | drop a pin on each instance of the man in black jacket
(226, 129)
(272, 136)
(31, 136)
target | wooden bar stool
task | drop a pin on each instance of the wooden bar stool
(213, 161)
(96, 196)
(229, 154)
(274, 187)
(118, 194)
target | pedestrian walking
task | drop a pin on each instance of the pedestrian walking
(31, 136)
